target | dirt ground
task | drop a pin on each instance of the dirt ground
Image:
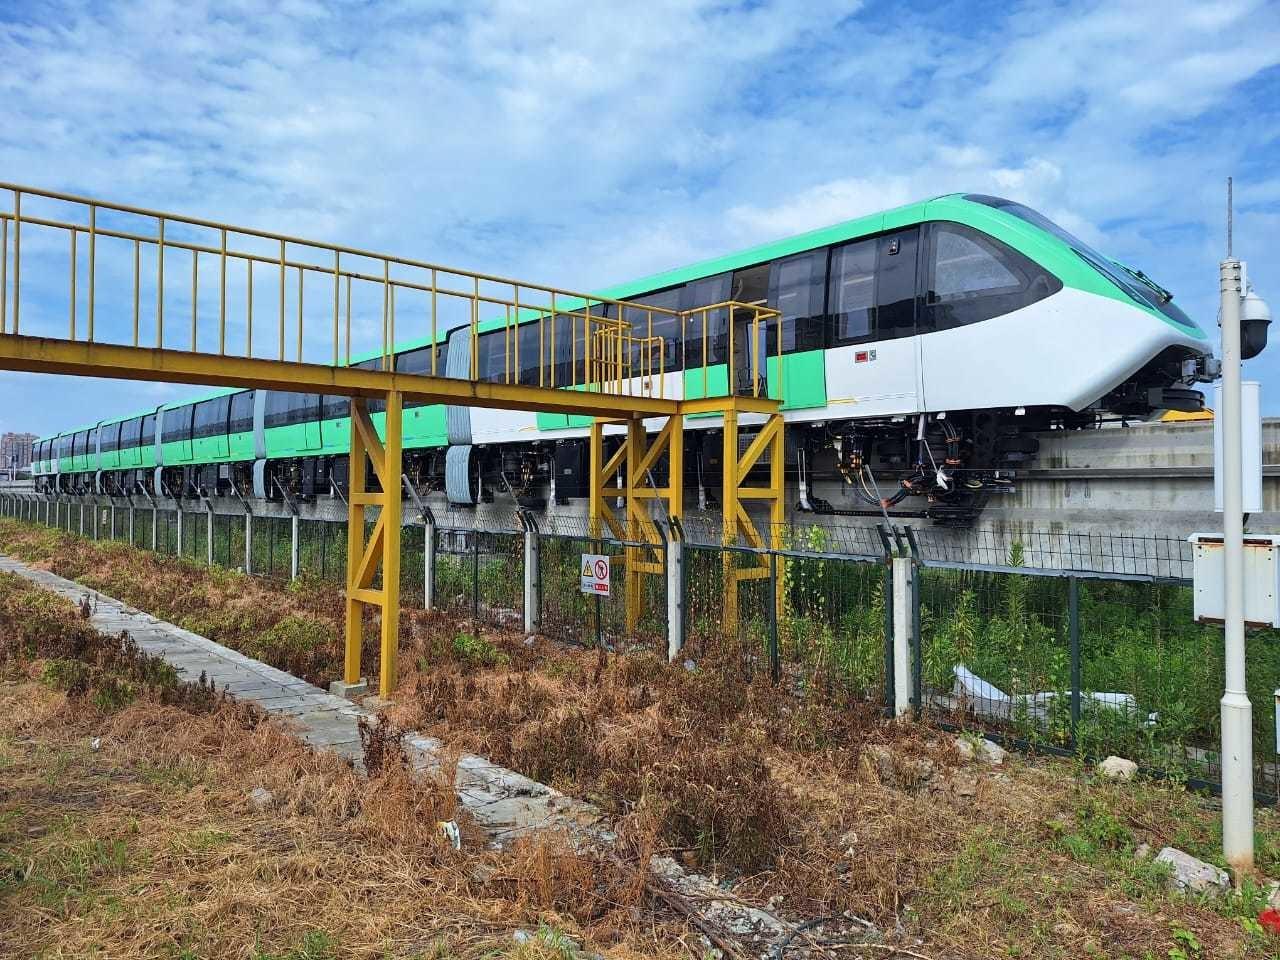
(796, 799)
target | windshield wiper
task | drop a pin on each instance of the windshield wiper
(1165, 295)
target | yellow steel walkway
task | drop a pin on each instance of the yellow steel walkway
(134, 294)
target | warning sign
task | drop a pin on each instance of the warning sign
(595, 574)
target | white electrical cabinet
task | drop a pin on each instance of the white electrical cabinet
(1261, 578)
(1250, 447)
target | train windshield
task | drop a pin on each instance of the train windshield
(1133, 282)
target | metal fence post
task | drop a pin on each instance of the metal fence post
(1073, 615)
(429, 563)
(208, 526)
(917, 640)
(532, 607)
(675, 595)
(901, 635)
(131, 512)
(155, 522)
(775, 662)
(82, 518)
(248, 543)
(886, 590)
(475, 576)
(178, 552)
(294, 525)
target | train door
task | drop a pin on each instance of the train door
(874, 362)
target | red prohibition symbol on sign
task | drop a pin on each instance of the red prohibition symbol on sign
(602, 570)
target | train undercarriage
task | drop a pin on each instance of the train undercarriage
(943, 467)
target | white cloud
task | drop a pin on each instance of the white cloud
(586, 144)
(821, 205)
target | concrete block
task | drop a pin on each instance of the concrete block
(1118, 768)
(340, 688)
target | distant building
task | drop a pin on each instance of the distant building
(15, 450)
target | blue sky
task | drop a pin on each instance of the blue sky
(584, 144)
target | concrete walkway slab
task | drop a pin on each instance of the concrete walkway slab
(501, 801)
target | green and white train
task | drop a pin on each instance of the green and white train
(921, 349)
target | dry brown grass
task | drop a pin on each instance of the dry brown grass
(791, 797)
(818, 806)
(149, 846)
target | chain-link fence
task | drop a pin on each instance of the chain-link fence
(572, 616)
(478, 574)
(1095, 666)
(322, 550)
(1082, 643)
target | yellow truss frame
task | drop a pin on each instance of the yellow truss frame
(381, 548)
(737, 523)
(633, 461)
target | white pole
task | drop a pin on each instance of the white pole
(293, 547)
(1237, 713)
(902, 611)
(531, 579)
(248, 543)
(675, 598)
(428, 565)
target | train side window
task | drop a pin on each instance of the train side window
(335, 407)
(111, 438)
(240, 419)
(130, 433)
(651, 323)
(149, 430)
(568, 350)
(177, 424)
(417, 362)
(973, 277)
(796, 290)
(373, 363)
(530, 336)
(704, 293)
(852, 292)
(211, 418)
(491, 350)
(286, 409)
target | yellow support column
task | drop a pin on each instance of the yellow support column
(382, 549)
(391, 542)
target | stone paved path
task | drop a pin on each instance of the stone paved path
(502, 801)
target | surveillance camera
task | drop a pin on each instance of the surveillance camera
(1255, 317)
